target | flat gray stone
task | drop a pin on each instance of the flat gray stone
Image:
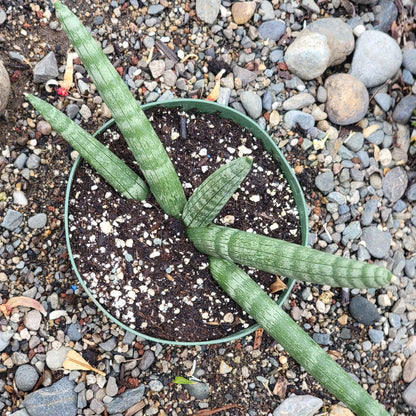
(37, 220)
(109, 345)
(298, 101)
(295, 117)
(404, 109)
(383, 100)
(126, 400)
(207, 10)
(55, 358)
(305, 405)
(272, 29)
(370, 208)
(58, 399)
(5, 337)
(409, 60)
(395, 183)
(244, 75)
(377, 241)
(363, 311)
(252, 104)
(46, 69)
(199, 390)
(325, 182)
(377, 58)
(147, 360)
(409, 395)
(12, 220)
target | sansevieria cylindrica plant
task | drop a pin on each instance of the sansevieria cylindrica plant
(224, 246)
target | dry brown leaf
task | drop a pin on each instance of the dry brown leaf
(215, 93)
(277, 286)
(257, 338)
(74, 361)
(7, 307)
(135, 408)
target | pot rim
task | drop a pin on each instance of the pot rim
(268, 143)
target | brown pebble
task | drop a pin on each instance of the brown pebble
(44, 127)
(409, 369)
(243, 11)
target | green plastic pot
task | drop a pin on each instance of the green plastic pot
(269, 145)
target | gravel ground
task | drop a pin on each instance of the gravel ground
(343, 119)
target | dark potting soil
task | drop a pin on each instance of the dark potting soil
(137, 261)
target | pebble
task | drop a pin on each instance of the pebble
(409, 369)
(155, 9)
(26, 377)
(55, 358)
(355, 142)
(244, 75)
(305, 405)
(12, 220)
(19, 198)
(409, 60)
(295, 117)
(126, 400)
(3, 16)
(375, 335)
(347, 101)
(111, 389)
(404, 109)
(252, 104)
(147, 360)
(45, 69)
(409, 395)
(33, 161)
(311, 5)
(32, 320)
(155, 385)
(298, 101)
(207, 10)
(109, 345)
(377, 58)
(266, 11)
(37, 220)
(308, 55)
(339, 410)
(322, 339)
(325, 182)
(72, 111)
(370, 208)
(411, 192)
(43, 127)
(383, 100)
(74, 331)
(363, 311)
(4, 84)
(386, 15)
(20, 161)
(338, 35)
(377, 241)
(157, 68)
(198, 390)
(58, 399)
(5, 337)
(272, 30)
(395, 183)
(242, 12)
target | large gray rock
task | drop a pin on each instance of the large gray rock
(58, 399)
(377, 58)
(404, 109)
(46, 69)
(4, 87)
(385, 16)
(308, 56)
(207, 10)
(339, 37)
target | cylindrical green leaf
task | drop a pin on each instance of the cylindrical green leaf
(211, 196)
(105, 162)
(240, 287)
(142, 140)
(287, 259)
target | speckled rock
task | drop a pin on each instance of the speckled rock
(26, 377)
(348, 99)
(339, 37)
(207, 10)
(242, 12)
(4, 87)
(308, 56)
(377, 58)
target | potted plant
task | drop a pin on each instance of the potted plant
(224, 246)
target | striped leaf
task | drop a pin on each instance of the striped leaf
(211, 196)
(286, 259)
(103, 160)
(240, 287)
(142, 140)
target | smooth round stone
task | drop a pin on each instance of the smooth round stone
(55, 358)
(72, 111)
(407, 77)
(111, 389)
(37, 220)
(377, 241)
(409, 60)
(385, 157)
(4, 87)
(43, 127)
(148, 359)
(339, 37)
(12, 220)
(404, 109)
(32, 320)
(251, 103)
(409, 395)
(298, 101)
(26, 377)
(74, 331)
(296, 117)
(347, 100)
(272, 30)
(266, 10)
(33, 161)
(207, 10)
(325, 182)
(411, 193)
(199, 390)
(377, 58)
(363, 311)
(155, 385)
(308, 56)
(242, 12)
(395, 183)
(409, 369)
(276, 55)
(155, 9)
(377, 137)
(383, 100)
(375, 335)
